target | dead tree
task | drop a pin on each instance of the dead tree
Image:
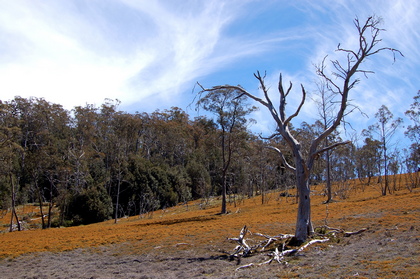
(340, 82)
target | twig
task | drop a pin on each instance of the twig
(347, 234)
(272, 239)
(245, 266)
(312, 242)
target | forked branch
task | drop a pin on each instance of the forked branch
(302, 101)
(282, 158)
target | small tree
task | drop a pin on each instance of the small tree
(231, 110)
(9, 151)
(385, 129)
(368, 159)
(340, 82)
(326, 110)
(413, 133)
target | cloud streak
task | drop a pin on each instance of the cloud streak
(57, 56)
(74, 53)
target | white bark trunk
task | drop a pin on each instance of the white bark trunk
(303, 224)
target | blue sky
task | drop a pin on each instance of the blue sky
(149, 54)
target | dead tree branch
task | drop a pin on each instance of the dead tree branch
(242, 245)
(282, 158)
(272, 239)
(276, 254)
(333, 231)
(330, 147)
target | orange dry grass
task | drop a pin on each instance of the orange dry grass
(192, 226)
(30, 214)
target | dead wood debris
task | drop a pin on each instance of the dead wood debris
(244, 249)
(325, 230)
(242, 245)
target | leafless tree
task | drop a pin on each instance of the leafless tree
(340, 82)
(326, 106)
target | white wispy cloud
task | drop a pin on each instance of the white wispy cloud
(50, 52)
(74, 54)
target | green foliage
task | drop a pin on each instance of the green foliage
(4, 193)
(181, 183)
(85, 160)
(200, 179)
(161, 186)
(91, 206)
(369, 158)
(413, 133)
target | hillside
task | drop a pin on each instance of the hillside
(186, 241)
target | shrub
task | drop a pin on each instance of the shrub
(91, 206)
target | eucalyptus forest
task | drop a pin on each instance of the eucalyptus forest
(97, 163)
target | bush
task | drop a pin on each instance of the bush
(91, 206)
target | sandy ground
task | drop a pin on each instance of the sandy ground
(377, 253)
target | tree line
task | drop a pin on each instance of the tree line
(96, 163)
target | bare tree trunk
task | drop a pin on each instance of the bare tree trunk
(303, 223)
(118, 198)
(50, 204)
(328, 182)
(386, 187)
(40, 205)
(224, 193)
(226, 162)
(42, 213)
(14, 214)
(11, 218)
(17, 220)
(226, 156)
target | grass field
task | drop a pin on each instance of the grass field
(391, 220)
